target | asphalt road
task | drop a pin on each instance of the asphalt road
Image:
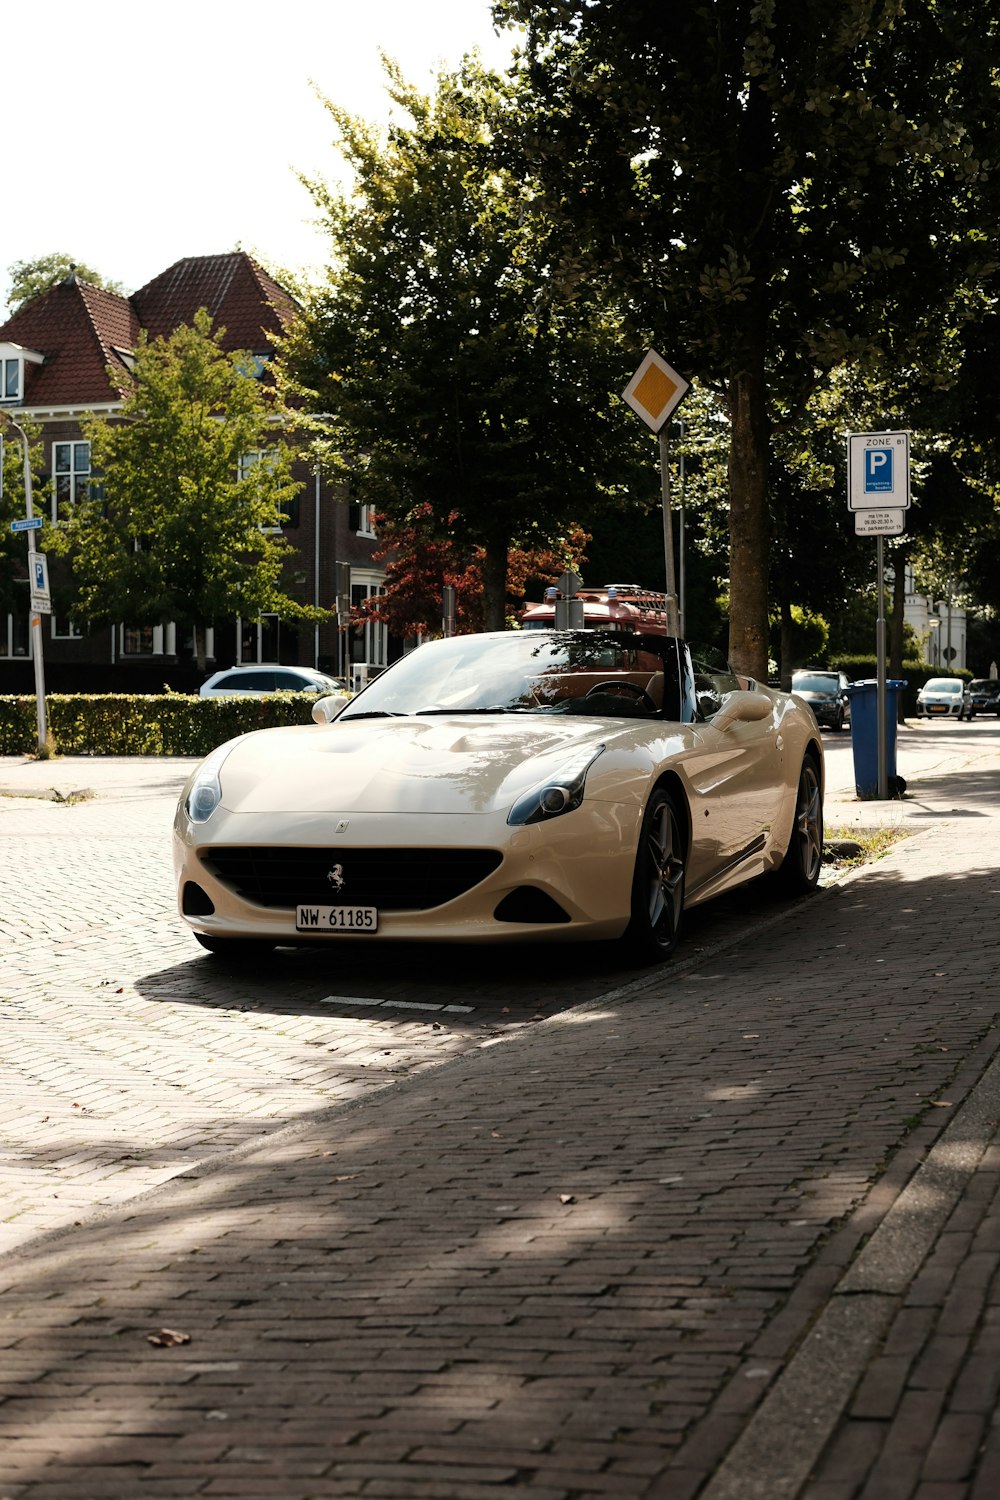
(130, 1056)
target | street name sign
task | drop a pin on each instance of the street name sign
(878, 471)
(26, 523)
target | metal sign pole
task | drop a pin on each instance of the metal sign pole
(673, 624)
(882, 738)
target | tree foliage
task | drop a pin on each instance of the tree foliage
(29, 278)
(420, 563)
(470, 398)
(779, 190)
(184, 525)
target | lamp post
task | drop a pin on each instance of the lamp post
(34, 617)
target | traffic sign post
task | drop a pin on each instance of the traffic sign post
(30, 524)
(41, 599)
(878, 492)
(654, 393)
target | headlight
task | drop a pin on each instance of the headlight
(558, 794)
(205, 790)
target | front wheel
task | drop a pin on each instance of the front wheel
(658, 881)
(799, 870)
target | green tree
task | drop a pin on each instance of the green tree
(184, 524)
(465, 391)
(778, 189)
(28, 278)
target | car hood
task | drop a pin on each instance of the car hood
(407, 765)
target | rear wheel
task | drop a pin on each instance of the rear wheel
(799, 870)
(658, 881)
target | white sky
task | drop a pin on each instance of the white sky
(142, 131)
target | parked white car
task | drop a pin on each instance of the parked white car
(528, 785)
(941, 698)
(264, 677)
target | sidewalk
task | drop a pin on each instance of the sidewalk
(732, 1231)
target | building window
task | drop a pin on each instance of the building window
(370, 641)
(137, 640)
(290, 510)
(12, 379)
(361, 519)
(71, 476)
(260, 639)
(65, 628)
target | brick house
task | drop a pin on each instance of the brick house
(68, 353)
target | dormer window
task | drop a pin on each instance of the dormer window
(13, 358)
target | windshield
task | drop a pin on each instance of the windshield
(983, 685)
(614, 673)
(943, 685)
(814, 682)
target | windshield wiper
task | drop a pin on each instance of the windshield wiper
(373, 713)
(496, 708)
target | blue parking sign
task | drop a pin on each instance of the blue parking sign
(878, 471)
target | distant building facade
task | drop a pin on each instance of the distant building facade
(940, 627)
(69, 353)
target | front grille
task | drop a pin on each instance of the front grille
(391, 879)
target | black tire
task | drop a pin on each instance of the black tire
(236, 950)
(799, 870)
(658, 880)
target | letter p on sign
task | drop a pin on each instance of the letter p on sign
(878, 471)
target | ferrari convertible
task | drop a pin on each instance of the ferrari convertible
(555, 785)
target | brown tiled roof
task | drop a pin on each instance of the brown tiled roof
(82, 329)
(78, 327)
(238, 294)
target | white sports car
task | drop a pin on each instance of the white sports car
(556, 785)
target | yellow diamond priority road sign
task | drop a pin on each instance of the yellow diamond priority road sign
(655, 390)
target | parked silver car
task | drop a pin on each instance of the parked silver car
(941, 698)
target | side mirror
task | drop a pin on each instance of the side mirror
(325, 710)
(743, 708)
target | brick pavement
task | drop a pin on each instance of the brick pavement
(733, 1233)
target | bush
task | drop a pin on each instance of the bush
(143, 723)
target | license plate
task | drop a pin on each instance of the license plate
(336, 919)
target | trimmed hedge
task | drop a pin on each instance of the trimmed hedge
(143, 723)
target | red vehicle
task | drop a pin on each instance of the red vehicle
(618, 606)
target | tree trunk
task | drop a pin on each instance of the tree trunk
(748, 524)
(495, 586)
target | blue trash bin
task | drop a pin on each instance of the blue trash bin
(864, 737)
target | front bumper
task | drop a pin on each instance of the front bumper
(567, 879)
